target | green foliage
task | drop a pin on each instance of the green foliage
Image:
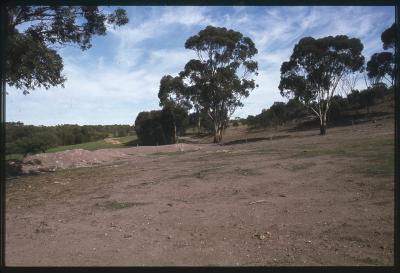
(367, 97)
(31, 61)
(339, 106)
(206, 123)
(381, 66)
(28, 139)
(150, 131)
(158, 127)
(278, 114)
(31, 64)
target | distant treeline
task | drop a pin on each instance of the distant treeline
(280, 113)
(27, 139)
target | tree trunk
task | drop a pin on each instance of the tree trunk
(216, 137)
(221, 129)
(322, 129)
(198, 125)
(322, 125)
(217, 133)
(175, 136)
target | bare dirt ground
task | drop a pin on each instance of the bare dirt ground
(282, 198)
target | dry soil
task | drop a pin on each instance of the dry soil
(279, 198)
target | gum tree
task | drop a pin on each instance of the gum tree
(221, 75)
(381, 66)
(316, 68)
(175, 102)
(34, 33)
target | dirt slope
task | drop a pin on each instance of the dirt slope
(82, 158)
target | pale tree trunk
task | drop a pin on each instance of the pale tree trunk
(175, 136)
(198, 124)
(217, 133)
(322, 123)
(221, 129)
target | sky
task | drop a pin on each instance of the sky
(119, 76)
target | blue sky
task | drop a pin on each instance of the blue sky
(119, 76)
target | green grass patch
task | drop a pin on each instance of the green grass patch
(373, 157)
(14, 157)
(96, 145)
(126, 139)
(90, 146)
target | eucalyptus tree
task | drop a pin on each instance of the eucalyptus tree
(316, 68)
(175, 101)
(381, 66)
(34, 33)
(221, 75)
(388, 37)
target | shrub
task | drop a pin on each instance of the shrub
(158, 127)
(338, 108)
(13, 168)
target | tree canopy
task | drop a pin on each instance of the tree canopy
(381, 66)
(160, 127)
(35, 32)
(388, 37)
(315, 69)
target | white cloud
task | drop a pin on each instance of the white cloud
(162, 21)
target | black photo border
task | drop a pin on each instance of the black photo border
(396, 4)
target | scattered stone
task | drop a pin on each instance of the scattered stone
(258, 201)
(262, 236)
